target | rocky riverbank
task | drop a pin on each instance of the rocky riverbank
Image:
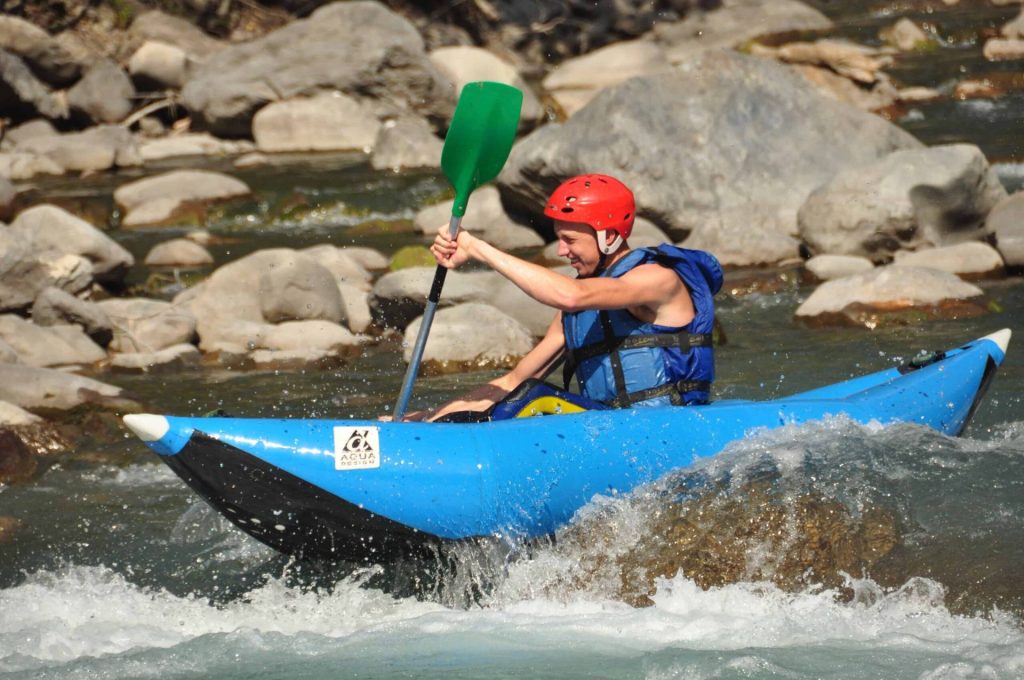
(742, 126)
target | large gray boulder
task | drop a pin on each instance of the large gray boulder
(104, 93)
(51, 229)
(22, 95)
(359, 48)
(25, 272)
(44, 346)
(98, 148)
(159, 64)
(1006, 222)
(144, 325)
(868, 299)
(750, 140)
(50, 389)
(471, 335)
(463, 64)
(240, 300)
(165, 197)
(406, 143)
(44, 55)
(485, 216)
(908, 200)
(55, 307)
(345, 267)
(324, 122)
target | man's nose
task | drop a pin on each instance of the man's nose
(563, 250)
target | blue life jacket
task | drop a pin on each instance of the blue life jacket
(623, 361)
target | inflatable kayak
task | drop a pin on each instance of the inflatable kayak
(367, 490)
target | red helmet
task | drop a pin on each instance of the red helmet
(600, 201)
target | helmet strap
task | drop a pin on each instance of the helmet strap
(608, 248)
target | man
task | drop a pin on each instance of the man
(634, 326)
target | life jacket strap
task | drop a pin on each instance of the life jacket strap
(674, 390)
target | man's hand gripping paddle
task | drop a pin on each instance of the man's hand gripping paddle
(475, 149)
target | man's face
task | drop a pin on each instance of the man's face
(577, 243)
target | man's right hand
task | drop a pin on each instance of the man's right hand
(452, 253)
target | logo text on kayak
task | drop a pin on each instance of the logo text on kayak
(356, 448)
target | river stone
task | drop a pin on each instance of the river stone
(163, 198)
(13, 416)
(369, 258)
(311, 334)
(463, 64)
(972, 260)
(344, 267)
(731, 23)
(55, 307)
(868, 299)
(910, 199)
(24, 273)
(144, 325)
(18, 166)
(44, 55)
(41, 346)
(1015, 27)
(239, 299)
(399, 297)
(750, 140)
(46, 388)
(359, 48)
(324, 122)
(159, 64)
(191, 144)
(22, 95)
(160, 27)
(905, 35)
(179, 252)
(575, 82)
(406, 143)
(737, 246)
(471, 335)
(1006, 222)
(485, 217)
(828, 267)
(40, 127)
(98, 148)
(17, 464)
(7, 354)
(51, 229)
(174, 357)
(1004, 49)
(356, 304)
(104, 93)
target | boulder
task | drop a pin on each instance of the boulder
(22, 95)
(908, 200)
(891, 294)
(750, 140)
(356, 303)
(25, 273)
(575, 82)
(39, 127)
(732, 23)
(191, 144)
(398, 297)
(406, 143)
(972, 260)
(157, 64)
(14, 416)
(47, 388)
(55, 307)
(104, 93)
(41, 346)
(1006, 223)
(143, 325)
(171, 30)
(463, 64)
(359, 48)
(48, 60)
(905, 35)
(50, 229)
(174, 357)
(737, 246)
(98, 148)
(179, 252)
(1003, 49)
(20, 166)
(171, 195)
(485, 216)
(7, 354)
(471, 335)
(828, 267)
(369, 258)
(339, 262)
(240, 300)
(324, 122)
(310, 334)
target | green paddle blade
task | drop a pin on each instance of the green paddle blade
(480, 137)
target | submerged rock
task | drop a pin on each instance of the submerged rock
(172, 195)
(891, 295)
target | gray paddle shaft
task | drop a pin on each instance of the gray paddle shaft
(421, 339)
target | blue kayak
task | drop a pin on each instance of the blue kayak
(367, 490)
